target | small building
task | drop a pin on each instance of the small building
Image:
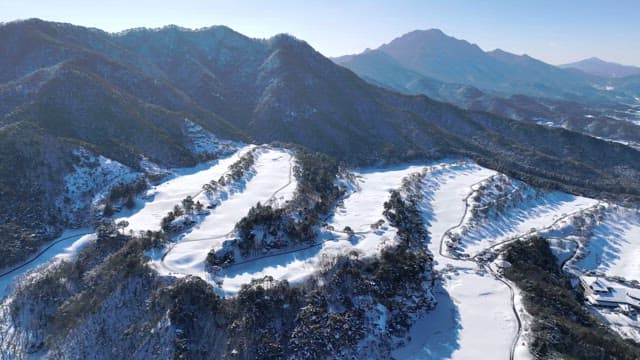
(600, 292)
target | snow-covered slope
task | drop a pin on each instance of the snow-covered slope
(90, 182)
(185, 182)
(362, 208)
(614, 246)
(203, 142)
(479, 313)
(62, 248)
(272, 180)
(523, 218)
(462, 330)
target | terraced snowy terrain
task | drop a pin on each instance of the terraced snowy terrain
(273, 181)
(468, 211)
(186, 182)
(614, 246)
(362, 208)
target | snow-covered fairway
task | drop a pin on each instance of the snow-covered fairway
(273, 179)
(445, 207)
(532, 214)
(474, 318)
(614, 248)
(361, 208)
(170, 193)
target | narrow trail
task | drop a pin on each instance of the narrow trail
(575, 253)
(48, 246)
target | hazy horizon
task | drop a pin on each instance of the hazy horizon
(554, 33)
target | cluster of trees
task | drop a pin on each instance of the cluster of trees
(186, 207)
(317, 174)
(17, 243)
(326, 314)
(126, 191)
(562, 326)
(66, 292)
(210, 187)
(238, 169)
(407, 218)
(266, 227)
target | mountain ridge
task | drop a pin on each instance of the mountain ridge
(126, 96)
(436, 55)
(599, 67)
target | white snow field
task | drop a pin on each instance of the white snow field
(273, 179)
(614, 248)
(523, 218)
(64, 247)
(363, 207)
(475, 317)
(478, 325)
(162, 198)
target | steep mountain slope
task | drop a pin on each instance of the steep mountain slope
(432, 53)
(602, 117)
(125, 96)
(599, 67)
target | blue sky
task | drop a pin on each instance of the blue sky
(554, 31)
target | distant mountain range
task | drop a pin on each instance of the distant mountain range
(598, 67)
(125, 96)
(515, 86)
(437, 56)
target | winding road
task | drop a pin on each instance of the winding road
(482, 264)
(42, 252)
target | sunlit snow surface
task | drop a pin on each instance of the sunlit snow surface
(273, 180)
(531, 214)
(473, 320)
(360, 209)
(62, 248)
(474, 317)
(186, 182)
(614, 248)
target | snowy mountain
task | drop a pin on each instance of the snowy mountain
(599, 67)
(126, 96)
(450, 70)
(437, 55)
(177, 193)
